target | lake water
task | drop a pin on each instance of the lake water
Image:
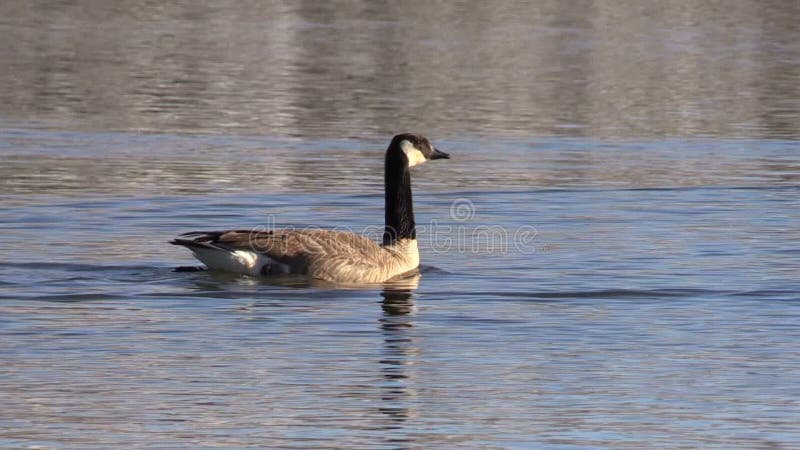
(611, 258)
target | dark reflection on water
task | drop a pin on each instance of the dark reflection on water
(333, 69)
(399, 353)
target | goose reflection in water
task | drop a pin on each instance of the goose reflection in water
(399, 354)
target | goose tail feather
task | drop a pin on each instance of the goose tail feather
(218, 256)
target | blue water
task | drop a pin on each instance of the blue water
(611, 258)
(632, 315)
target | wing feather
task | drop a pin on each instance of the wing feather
(318, 252)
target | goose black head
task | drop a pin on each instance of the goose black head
(416, 149)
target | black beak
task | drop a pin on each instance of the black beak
(439, 155)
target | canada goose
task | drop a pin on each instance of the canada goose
(336, 256)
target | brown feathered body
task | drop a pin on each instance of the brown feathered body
(330, 255)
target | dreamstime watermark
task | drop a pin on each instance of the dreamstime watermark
(462, 210)
(460, 234)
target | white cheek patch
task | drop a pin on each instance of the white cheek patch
(412, 153)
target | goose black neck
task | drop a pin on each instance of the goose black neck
(399, 208)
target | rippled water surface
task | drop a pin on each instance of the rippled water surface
(611, 259)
